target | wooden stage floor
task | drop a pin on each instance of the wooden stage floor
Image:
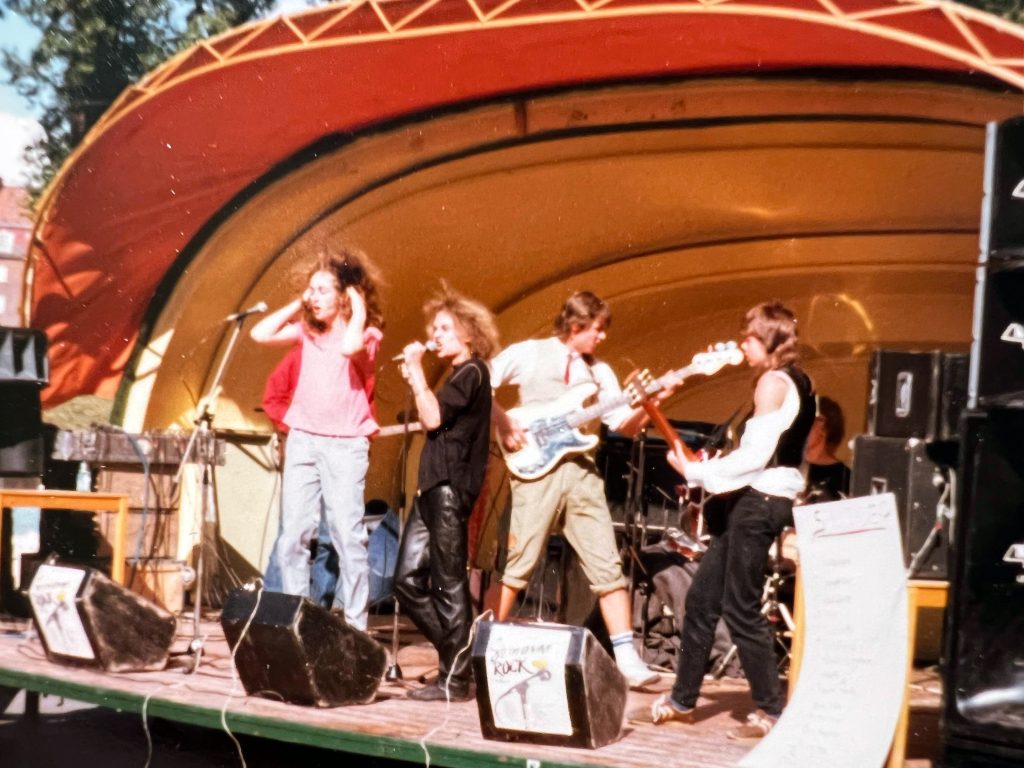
(393, 726)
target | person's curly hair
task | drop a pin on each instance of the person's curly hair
(775, 326)
(348, 266)
(471, 316)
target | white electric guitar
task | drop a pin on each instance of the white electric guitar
(552, 429)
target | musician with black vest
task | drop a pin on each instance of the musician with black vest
(763, 475)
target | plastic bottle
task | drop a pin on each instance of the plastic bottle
(83, 478)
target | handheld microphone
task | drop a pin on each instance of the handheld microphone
(255, 309)
(430, 345)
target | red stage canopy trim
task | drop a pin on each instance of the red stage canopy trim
(195, 133)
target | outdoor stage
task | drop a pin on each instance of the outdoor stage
(394, 727)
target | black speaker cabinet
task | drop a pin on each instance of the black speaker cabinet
(906, 468)
(917, 394)
(983, 707)
(21, 429)
(546, 684)
(86, 619)
(1003, 209)
(296, 651)
(998, 378)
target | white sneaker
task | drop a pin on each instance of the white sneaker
(637, 673)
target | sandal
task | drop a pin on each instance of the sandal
(664, 710)
(758, 725)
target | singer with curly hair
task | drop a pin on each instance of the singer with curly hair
(430, 578)
(337, 322)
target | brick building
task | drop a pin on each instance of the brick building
(15, 232)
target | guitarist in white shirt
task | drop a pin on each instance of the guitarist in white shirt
(573, 490)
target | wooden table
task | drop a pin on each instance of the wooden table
(920, 594)
(87, 502)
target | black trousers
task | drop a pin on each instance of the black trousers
(431, 580)
(729, 583)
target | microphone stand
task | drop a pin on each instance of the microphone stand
(204, 436)
(394, 672)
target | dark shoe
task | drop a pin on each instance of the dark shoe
(759, 724)
(436, 692)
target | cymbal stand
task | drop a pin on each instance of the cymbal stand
(204, 436)
(944, 510)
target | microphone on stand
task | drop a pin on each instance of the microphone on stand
(255, 309)
(430, 345)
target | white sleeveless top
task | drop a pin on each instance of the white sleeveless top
(748, 464)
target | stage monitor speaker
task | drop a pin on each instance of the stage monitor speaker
(86, 619)
(917, 394)
(546, 684)
(984, 699)
(907, 467)
(294, 650)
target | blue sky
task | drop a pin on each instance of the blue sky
(15, 33)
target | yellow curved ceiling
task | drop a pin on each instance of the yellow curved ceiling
(682, 204)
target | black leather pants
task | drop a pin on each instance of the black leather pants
(431, 580)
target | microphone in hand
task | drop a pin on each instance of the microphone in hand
(430, 346)
(255, 309)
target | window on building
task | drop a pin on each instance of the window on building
(4, 273)
(6, 241)
(3, 303)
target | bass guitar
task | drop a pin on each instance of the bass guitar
(637, 386)
(553, 429)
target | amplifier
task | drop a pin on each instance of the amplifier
(917, 394)
(906, 468)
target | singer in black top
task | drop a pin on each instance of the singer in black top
(431, 579)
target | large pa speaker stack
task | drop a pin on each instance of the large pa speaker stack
(983, 709)
(24, 371)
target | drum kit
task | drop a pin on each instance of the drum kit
(688, 517)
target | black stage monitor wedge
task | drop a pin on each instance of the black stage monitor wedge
(907, 467)
(546, 684)
(294, 650)
(86, 619)
(983, 707)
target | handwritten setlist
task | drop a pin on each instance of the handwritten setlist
(852, 675)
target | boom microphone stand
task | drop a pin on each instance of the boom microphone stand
(204, 437)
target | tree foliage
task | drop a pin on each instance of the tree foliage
(90, 50)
